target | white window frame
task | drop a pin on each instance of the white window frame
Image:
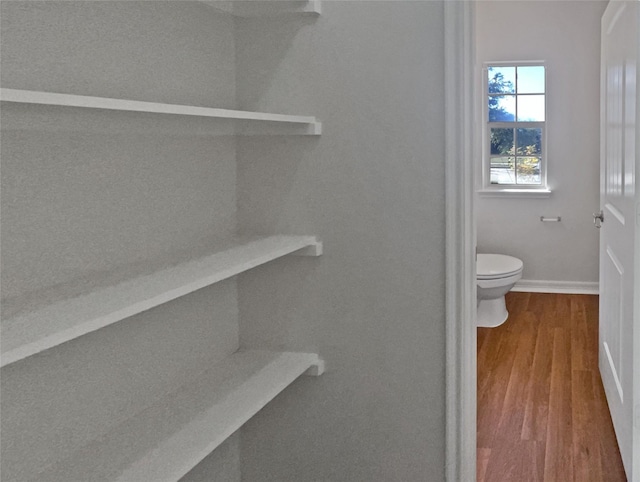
(528, 190)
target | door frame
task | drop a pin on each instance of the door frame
(635, 434)
(460, 236)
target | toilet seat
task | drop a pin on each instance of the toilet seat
(497, 266)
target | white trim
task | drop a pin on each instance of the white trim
(486, 125)
(635, 463)
(517, 63)
(614, 372)
(550, 286)
(460, 450)
(615, 212)
(515, 193)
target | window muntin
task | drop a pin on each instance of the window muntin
(515, 125)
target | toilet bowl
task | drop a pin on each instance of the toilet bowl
(496, 275)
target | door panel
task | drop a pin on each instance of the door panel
(619, 65)
(613, 307)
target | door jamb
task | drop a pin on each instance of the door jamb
(461, 364)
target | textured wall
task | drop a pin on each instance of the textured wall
(565, 34)
(80, 194)
(372, 187)
(92, 195)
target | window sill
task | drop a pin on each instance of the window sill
(515, 193)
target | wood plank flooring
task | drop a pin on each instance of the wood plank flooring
(542, 412)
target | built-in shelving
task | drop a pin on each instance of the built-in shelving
(29, 333)
(165, 441)
(313, 127)
(266, 8)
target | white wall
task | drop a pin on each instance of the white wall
(566, 35)
(372, 186)
(86, 193)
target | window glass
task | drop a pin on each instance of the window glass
(528, 170)
(502, 108)
(531, 108)
(529, 142)
(531, 80)
(503, 170)
(515, 125)
(502, 80)
(501, 141)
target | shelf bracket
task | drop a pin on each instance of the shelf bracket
(316, 370)
(315, 129)
(311, 250)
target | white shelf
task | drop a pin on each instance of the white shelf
(67, 100)
(30, 333)
(165, 441)
(266, 8)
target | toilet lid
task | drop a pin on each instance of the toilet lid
(492, 266)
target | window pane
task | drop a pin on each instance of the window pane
(528, 170)
(531, 108)
(503, 170)
(531, 80)
(502, 80)
(502, 141)
(502, 108)
(529, 142)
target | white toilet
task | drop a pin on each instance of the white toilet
(496, 275)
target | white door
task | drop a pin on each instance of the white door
(619, 352)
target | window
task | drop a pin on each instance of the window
(514, 132)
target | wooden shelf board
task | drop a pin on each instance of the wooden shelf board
(165, 441)
(69, 100)
(30, 333)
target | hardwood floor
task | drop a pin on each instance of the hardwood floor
(542, 412)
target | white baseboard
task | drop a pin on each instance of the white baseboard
(566, 287)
